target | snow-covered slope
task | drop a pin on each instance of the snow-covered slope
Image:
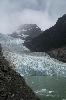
(27, 63)
(27, 32)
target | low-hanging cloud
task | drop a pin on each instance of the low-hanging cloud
(44, 13)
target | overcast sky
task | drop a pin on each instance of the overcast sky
(44, 13)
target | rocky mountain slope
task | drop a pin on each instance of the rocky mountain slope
(59, 53)
(51, 40)
(27, 32)
(12, 85)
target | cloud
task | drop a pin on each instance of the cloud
(44, 13)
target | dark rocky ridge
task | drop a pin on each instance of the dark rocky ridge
(27, 32)
(12, 85)
(59, 53)
(51, 40)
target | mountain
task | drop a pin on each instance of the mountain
(51, 39)
(27, 32)
(12, 85)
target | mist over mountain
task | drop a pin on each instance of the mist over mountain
(27, 32)
(44, 13)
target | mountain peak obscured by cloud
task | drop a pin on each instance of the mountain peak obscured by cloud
(44, 13)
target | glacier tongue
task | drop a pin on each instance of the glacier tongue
(27, 63)
(36, 65)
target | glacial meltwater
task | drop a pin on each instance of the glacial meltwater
(48, 88)
(45, 75)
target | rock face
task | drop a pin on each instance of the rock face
(53, 39)
(59, 53)
(12, 85)
(27, 32)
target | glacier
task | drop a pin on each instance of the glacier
(30, 63)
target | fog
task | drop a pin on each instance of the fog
(44, 13)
